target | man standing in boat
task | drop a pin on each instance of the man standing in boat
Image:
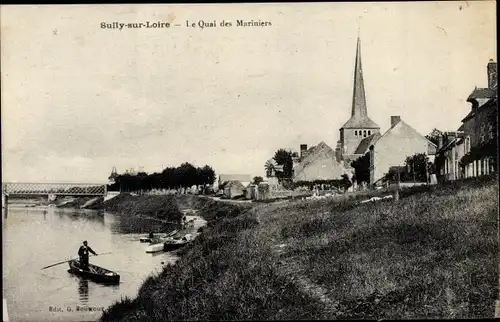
(83, 252)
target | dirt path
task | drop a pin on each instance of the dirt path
(292, 270)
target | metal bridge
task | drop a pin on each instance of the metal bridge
(53, 189)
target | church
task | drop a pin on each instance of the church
(358, 136)
(321, 162)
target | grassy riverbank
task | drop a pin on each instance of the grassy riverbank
(431, 255)
(158, 207)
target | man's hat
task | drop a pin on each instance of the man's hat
(84, 241)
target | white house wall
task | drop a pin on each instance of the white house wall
(395, 146)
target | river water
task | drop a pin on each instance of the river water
(34, 237)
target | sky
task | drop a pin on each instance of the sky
(78, 99)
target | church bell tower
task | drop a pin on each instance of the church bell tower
(359, 126)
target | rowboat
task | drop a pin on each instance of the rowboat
(189, 223)
(157, 238)
(154, 248)
(95, 273)
(177, 243)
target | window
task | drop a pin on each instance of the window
(364, 133)
(356, 133)
(369, 132)
(467, 144)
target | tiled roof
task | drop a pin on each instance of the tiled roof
(431, 148)
(319, 151)
(234, 183)
(490, 102)
(468, 116)
(362, 122)
(366, 143)
(236, 177)
(481, 93)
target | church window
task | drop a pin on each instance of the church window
(364, 133)
(356, 133)
(369, 132)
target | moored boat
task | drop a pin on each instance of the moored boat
(157, 238)
(176, 243)
(95, 273)
(154, 248)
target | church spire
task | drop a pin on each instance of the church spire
(358, 95)
(359, 116)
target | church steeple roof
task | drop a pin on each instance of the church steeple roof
(113, 174)
(359, 115)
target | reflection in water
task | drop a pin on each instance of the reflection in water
(83, 290)
(86, 216)
(58, 237)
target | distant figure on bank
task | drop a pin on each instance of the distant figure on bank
(83, 252)
(151, 235)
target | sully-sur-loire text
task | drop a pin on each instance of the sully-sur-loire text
(134, 25)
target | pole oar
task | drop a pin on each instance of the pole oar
(70, 261)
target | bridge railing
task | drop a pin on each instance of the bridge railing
(74, 189)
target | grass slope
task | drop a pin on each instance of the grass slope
(160, 207)
(431, 255)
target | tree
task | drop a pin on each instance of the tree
(169, 178)
(187, 174)
(362, 168)
(346, 182)
(284, 158)
(208, 175)
(269, 167)
(434, 136)
(257, 180)
(418, 166)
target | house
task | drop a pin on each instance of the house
(479, 127)
(394, 146)
(318, 163)
(252, 191)
(451, 149)
(233, 189)
(245, 179)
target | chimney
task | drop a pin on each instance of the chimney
(303, 149)
(395, 120)
(492, 74)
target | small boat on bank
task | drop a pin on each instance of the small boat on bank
(157, 238)
(177, 243)
(189, 223)
(95, 273)
(154, 248)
